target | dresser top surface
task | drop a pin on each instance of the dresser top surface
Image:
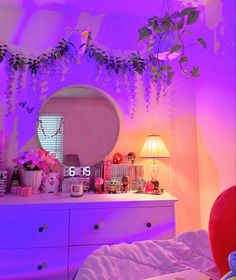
(88, 199)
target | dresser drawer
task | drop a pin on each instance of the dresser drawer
(77, 256)
(37, 263)
(101, 226)
(33, 229)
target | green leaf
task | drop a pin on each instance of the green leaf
(157, 29)
(192, 17)
(166, 25)
(166, 67)
(202, 42)
(186, 32)
(157, 76)
(175, 48)
(153, 69)
(144, 32)
(180, 24)
(170, 76)
(194, 72)
(187, 11)
(183, 59)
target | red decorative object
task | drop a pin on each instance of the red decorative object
(98, 185)
(117, 158)
(222, 228)
(149, 187)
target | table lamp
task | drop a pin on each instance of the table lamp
(154, 148)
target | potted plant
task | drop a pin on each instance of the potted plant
(34, 163)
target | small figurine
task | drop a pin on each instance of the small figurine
(131, 157)
(86, 186)
(98, 185)
(156, 188)
(140, 185)
(117, 158)
(124, 184)
(113, 186)
(149, 187)
(51, 182)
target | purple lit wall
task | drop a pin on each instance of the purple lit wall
(197, 118)
(216, 105)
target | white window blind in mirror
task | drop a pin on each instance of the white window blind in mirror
(50, 133)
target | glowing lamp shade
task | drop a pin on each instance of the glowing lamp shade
(154, 147)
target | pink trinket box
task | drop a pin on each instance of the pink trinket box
(26, 191)
(16, 190)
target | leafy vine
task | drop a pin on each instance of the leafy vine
(154, 33)
(163, 40)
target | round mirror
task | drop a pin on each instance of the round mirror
(79, 120)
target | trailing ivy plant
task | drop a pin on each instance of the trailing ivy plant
(154, 32)
(150, 65)
(159, 28)
(17, 61)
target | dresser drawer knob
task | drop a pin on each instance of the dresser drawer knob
(41, 229)
(149, 225)
(41, 266)
(96, 227)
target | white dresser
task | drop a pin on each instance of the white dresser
(48, 236)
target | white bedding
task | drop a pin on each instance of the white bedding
(150, 258)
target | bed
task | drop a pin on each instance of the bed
(186, 256)
(189, 251)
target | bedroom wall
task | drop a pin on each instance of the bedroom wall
(34, 28)
(216, 105)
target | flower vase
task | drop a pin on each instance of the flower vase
(33, 178)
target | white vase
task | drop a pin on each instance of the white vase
(33, 178)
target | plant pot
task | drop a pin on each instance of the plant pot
(33, 178)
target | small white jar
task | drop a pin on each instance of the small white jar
(76, 189)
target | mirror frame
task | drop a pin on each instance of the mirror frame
(106, 96)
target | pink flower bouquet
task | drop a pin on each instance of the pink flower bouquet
(38, 159)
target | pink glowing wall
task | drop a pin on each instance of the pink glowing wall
(197, 118)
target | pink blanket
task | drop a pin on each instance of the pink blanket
(150, 258)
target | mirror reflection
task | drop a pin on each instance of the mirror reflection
(79, 120)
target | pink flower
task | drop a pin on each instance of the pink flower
(38, 159)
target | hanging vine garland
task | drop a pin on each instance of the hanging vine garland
(58, 130)
(162, 37)
(63, 49)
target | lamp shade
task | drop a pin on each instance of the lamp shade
(71, 160)
(154, 147)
